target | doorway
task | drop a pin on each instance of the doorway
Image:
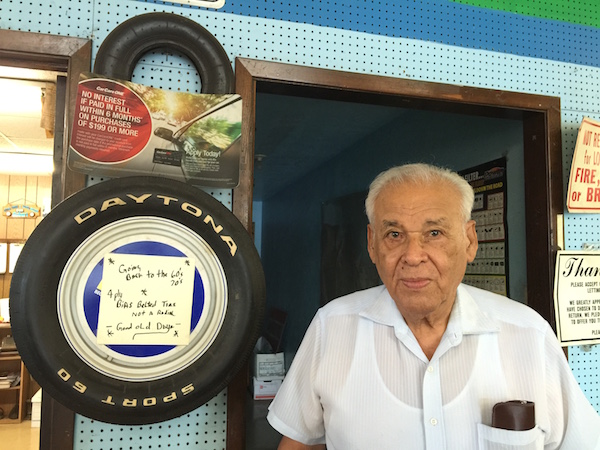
(533, 121)
(67, 56)
(539, 117)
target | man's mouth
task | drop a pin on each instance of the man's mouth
(415, 283)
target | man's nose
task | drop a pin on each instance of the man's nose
(413, 251)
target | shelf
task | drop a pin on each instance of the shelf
(6, 420)
(17, 395)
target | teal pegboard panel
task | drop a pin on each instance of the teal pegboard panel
(583, 361)
(580, 229)
(61, 17)
(202, 429)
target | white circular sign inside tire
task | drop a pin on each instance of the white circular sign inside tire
(56, 290)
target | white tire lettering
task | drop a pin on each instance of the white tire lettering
(169, 398)
(108, 400)
(151, 401)
(167, 200)
(85, 215)
(64, 374)
(193, 210)
(139, 199)
(216, 228)
(231, 243)
(112, 202)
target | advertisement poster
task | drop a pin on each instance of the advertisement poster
(577, 297)
(584, 181)
(489, 270)
(122, 128)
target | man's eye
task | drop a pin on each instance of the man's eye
(394, 234)
(434, 233)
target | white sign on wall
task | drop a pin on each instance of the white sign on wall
(577, 297)
(146, 300)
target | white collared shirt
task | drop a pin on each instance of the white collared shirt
(360, 380)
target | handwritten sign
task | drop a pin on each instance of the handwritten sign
(584, 181)
(146, 300)
(577, 297)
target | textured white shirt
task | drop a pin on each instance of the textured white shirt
(360, 380)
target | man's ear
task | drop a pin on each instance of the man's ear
(473, 244)
(370, 242)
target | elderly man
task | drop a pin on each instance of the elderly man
(420, 362)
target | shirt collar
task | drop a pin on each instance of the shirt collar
(466, 316)
(383, 310)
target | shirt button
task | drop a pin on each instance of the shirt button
(433, 422)
(430, 369)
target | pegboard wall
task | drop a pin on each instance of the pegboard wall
(203, 428)
(544, 49)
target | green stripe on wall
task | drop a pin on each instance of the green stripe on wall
(581, 12)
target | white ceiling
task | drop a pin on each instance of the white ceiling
(20, 111)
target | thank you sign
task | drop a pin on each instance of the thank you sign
(577, 297)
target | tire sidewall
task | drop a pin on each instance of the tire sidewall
(34, 312)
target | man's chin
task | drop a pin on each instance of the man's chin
(421, 303)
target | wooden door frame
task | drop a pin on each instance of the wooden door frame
(70, 56)
(540, 116)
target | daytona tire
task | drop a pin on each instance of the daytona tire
(55, 297)
(129, 41)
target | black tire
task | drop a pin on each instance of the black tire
(54, 334)
(129, 41)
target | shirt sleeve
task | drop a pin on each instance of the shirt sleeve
(574, 423)
(296, 411)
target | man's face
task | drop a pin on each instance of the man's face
(421, 247)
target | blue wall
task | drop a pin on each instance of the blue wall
(440, 41)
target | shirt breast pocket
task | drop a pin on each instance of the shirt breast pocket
(498, 439)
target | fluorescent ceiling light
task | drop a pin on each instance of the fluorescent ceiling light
(26, 164)
(20, 98)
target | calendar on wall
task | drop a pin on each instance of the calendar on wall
(489, 269)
